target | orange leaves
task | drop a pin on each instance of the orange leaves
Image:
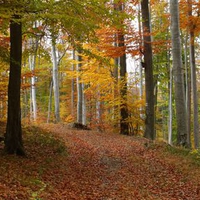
(189, 15)
(109, 40)
(113, 166)
(95, 166)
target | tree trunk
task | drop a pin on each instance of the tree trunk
(194, 91)
(187, 91)
(33, 46)
(98, 112)
(193, 80)
(148, 64)
(25, 98)
(73, 87)
(13, 136)
(79, 92)
(50, 101)
(178, 75)
(140, 58)
(84, 118)
(189, 108)
(124, 126)
(55, 82)
(32, 61)
(170, 107)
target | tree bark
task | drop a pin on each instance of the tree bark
(148, 64)
(84, 110)
(124, 126)
(187, 91)
(79, 92)
(178, 75)
(13, 136)
(73, 86)
(193, 80)
(32, 62)
(170, 107)
(55, 82)
(194, 91)
(50, 100)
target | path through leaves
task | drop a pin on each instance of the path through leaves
(110, 166)
(95, 166)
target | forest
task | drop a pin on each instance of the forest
(102, 88)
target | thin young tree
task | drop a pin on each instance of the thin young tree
(32, 63)
(79, 90)
(192, 27)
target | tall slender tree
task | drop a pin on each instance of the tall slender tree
(32, 63)
(192, 27)
(55, 80)
(178, 75)
(124, 127)
(79, 91)
(148, 65)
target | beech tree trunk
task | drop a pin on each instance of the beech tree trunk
(84, 110)
(73, 86)
(187, 91)
(13, 135)
(194, 91)
(178, 75)
(32, 62)
(50, 101)
(55, 82)
(193, 80)
(79, 92)
(170, 107)
(148, 65)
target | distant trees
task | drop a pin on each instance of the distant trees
(13, 136)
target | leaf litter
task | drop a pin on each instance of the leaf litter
(64, 163)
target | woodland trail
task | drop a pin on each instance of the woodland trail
(104, 166)
(67, 164)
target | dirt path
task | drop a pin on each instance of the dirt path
(113, 167)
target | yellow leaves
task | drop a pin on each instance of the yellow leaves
(69, 119)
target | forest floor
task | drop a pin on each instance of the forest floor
(67, 164)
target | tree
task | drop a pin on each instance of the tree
(33, 42)
(192, 27)
(55, 79)
(13, 135)
(79, 91)
(124, 128)
(148, 65)
(178, 75)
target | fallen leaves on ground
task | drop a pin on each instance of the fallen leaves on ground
(69, 164)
